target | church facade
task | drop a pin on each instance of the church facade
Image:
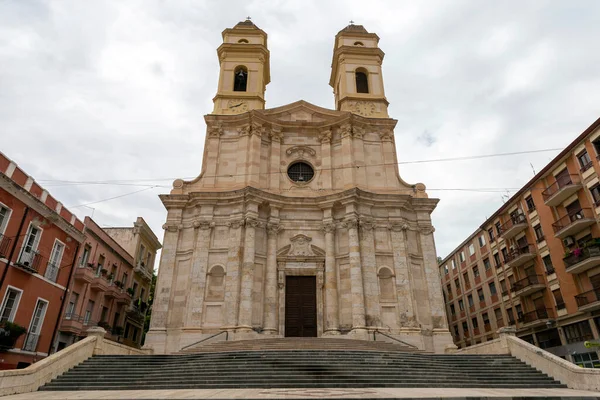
(299, 223)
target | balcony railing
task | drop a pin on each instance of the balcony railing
(573, 222)
(588, 300)
(582, 259)
(536, 315)
(521, 255)
(4, 246)
(560, 190)
(31, 342)
(515, 224)
(30, 261)
(528, 285)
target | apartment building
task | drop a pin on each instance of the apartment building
(39, 241)
(535, 263)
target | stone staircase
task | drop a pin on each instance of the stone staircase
(267, 363)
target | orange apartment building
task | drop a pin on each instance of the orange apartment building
(39, 241)
(110, 286)
(535, 263)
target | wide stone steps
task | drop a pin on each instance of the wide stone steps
(268, 368)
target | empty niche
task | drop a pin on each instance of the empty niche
(215, 289)
(386, 284)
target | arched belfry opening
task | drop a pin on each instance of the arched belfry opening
(362, 83)
(240, 79)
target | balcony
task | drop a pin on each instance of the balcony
(4, 246)
(588, 301)
(561, 190)
(30, 261)
(141, 270)
(137, 311)
(527, 286)
(99, 284)
(534, 318)
(72, 323)
(514, 226)
(573, 223)
(85, 274)
(520, 256)
(580, 260)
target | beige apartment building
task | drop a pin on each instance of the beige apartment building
(535, 263)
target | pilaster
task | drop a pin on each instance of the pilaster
(369, 268)
(332, 323)
(270, 317)
(198, 274)
(326, 171)
(432, 277)
(403, 288)
(245, 313)
(275, 160)
(232, 277)
(356, 279)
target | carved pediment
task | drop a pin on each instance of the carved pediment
(302, 112)
(300, 246)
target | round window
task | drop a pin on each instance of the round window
(300, 172)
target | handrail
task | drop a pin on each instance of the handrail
(393, 338)
(205, 339)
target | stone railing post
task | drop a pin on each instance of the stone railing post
(504, 333)
(98, 332)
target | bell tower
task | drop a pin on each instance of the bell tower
(244, 69)
(356, 75)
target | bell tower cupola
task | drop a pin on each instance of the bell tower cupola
(244, 69)
(356, 75)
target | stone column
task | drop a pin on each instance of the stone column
(245, 313)
(389, 157)
(232, 277)
(432, 277)
(164, 283)
(403, 289)
(359, 156)
(356, 280)
(198, 274)
(347, 156)
(326, 171)
(254, 154)
(274, 176)
(369, 268)
(271, 311)
(332, 320)
(214, 133)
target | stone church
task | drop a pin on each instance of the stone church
(299, 223)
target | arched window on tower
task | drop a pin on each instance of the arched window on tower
(240, 79)
(362, 83)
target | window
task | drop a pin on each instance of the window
(548, 264)
(586, 360)
(560, 304)
(446, 269)
(584, 160)
(452, 309)
(491, 234)
(300, 172)
(497, 260)
(594, 190)
(30, 244)
(243, 41)
(362, 83)
(88, 313)
(481, 240)
(466, 278)
(470, 300)
(578, 332)
(486, 263)
(498, 314)
(530, 203)
(461, 305)
(35, 327)
(124, 280)
(55, 260)
(462, 256)
(240, 79)
(476, 271)
(104, 314)
(471, 249)
(492, 288)
(455, 327)
(449, 289)
(486, 318)
(142, 253)
(100, 265)
(116, 319)
(539, 234)
(503, 287)
(504, 254)
(480, 295)
(511, 316)
(142, 292)
(85, 256)
(10, 304)
(457, 284)
(596, 144)
(453, 264)
(72, 305)
(474, 322)
(4, 217)
(465, 327)
(519, 310)
(498, 228)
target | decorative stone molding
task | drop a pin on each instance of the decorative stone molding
(244, 130)
(236, 223)
(386, 135)
(426, 230)
(328, 227)
(366, 225)
(300, 151)
(204, 224)
(398, 226)
(358, 132)
(325, 136)
(215, 130)
(276, 133)
(300, 246)
(257, 129)
(254, 223)
(351, 222)
(172, 227)
(273, 229)
(341, 225)
(345, 130)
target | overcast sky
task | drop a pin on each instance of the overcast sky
(116, 90)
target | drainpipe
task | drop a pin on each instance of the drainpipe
(12, 251)
(64, 299)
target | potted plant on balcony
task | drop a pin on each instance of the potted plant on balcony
(104, 271)
(104, 324)
(118, 284)
(110, 277)
(9, 333)
(130, 291)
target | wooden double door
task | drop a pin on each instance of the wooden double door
(300, 306)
